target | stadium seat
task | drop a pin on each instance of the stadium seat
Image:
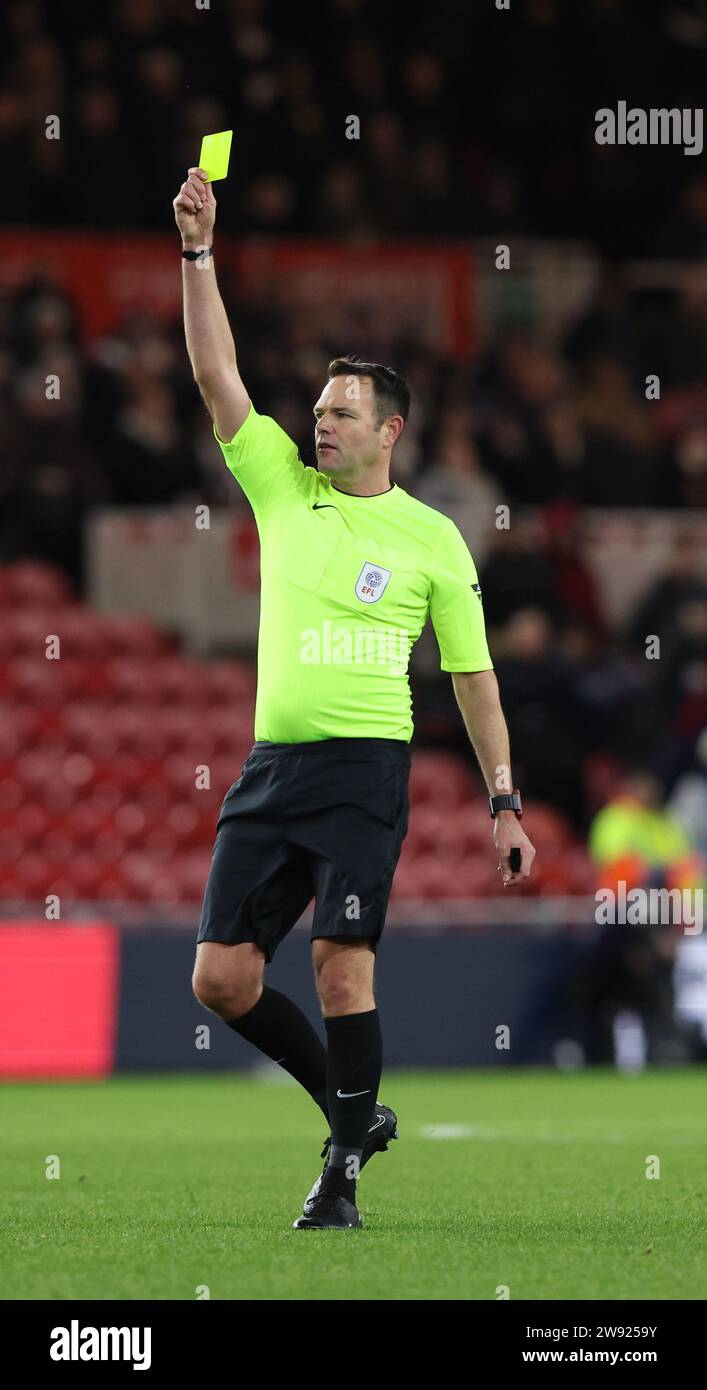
(440, 779)
(190, 872)
(32, 823)
(135, 636)
(88, 819)
(546, 827)
(31, 583)
(226, 682)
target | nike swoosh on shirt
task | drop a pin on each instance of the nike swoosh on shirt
(346, 1095)
(318, 506)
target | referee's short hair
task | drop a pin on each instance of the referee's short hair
(391, 391)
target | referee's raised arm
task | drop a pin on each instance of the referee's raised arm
(212, 351)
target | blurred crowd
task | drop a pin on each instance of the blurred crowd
(529, 423)
(474, 120)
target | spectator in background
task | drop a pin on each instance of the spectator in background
(389, 175)
(54, 475)
(607, 688)
(339, 208)
(441, 209)
(684, 234)
(638, 840)
(149, 463)
(573, 585)
(98, 145)
(517, 173)
(519, 387)
(688, 801)
(606, 328)
(691, 468)
(621, 465)
(542, 711)
(516, 573)
(684, 578)
(457, 485)
(621, 1001)
(15, 154)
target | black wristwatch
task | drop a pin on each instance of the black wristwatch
(507, 801)
(201, 255)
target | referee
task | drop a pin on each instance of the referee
(351, 568)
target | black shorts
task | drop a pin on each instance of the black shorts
(321, 820)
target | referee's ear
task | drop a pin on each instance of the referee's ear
(392, 429)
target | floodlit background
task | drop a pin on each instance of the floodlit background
(560, 417)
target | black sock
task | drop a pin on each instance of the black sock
(281, 1031)
(354, 1065)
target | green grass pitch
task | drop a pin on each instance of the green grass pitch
(532, 1180)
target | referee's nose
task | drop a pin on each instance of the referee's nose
(324, 436)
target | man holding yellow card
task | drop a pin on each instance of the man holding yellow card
(321, 808)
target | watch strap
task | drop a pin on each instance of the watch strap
(506, 801)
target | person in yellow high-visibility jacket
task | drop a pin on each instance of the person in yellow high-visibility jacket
(634, 839)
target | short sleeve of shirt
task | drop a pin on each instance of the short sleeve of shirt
(263, 459)
(455, 606)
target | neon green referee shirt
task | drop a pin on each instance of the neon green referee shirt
(347, 585)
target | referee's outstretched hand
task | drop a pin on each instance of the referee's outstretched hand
(507, 835)
(195, 208)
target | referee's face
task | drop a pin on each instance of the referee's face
(347, 437)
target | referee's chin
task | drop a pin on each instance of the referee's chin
(327, 462)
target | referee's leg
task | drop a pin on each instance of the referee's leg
(343, 968)
(228, 980)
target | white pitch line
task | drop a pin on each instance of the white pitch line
(524, 1136)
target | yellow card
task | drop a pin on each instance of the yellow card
(215, 154)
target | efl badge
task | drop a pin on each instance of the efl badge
(371, 582)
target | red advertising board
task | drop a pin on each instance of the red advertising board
(58, 999)
(413, 289)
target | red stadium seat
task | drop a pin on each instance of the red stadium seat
(135, 636)
(179, 681)
(87, 820)
(39, 767)
(130, 678)
(176, 725)
(58, 795)
(131, 822)
(32, 583)
(441, 779)
(161, 841)
(32, 823)
(82, 632)
(546, 827)
(229, 682)
(184, 821)
(190, 873)
(23, 631)
(111, 886)
(562, 875)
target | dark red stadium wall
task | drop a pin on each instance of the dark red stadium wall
(429, 290)
(59, 988)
